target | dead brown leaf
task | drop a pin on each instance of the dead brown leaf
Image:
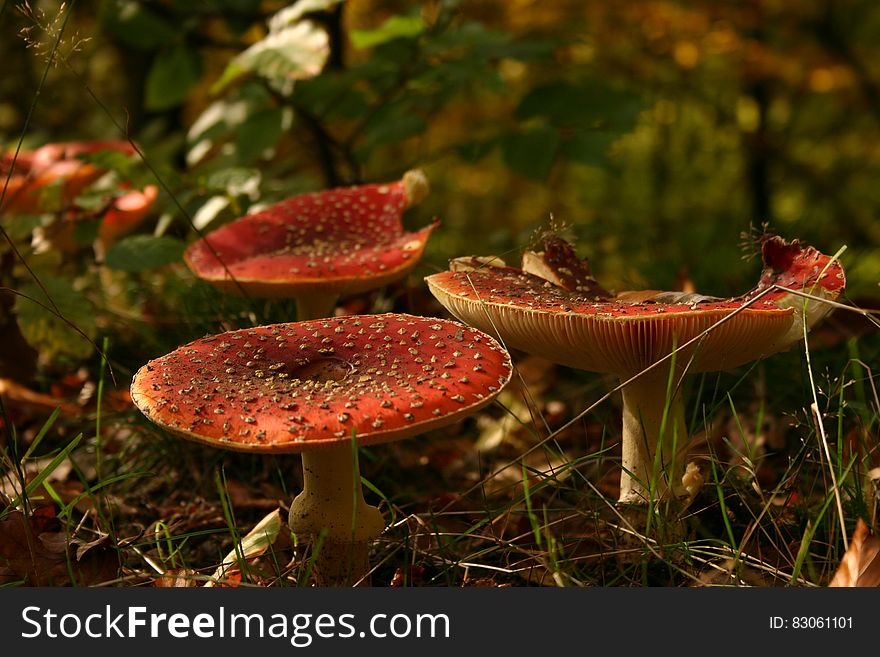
(180, 578)
(860, 565)
(38, 551)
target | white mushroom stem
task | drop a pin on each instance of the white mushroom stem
(332, 504)
(655, 438)
(315, 306)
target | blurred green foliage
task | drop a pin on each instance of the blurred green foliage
(656, 131)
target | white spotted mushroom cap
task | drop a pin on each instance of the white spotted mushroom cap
(291, 387)
(586, 327)
(343, 241)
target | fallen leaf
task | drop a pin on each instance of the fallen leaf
(860, 565)
(253, 545)
(180, 578)
(242, 498)
(38, 551)
(17, 394)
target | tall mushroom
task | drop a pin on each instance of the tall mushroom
(316, 247)
(561, 313)
(313, 387)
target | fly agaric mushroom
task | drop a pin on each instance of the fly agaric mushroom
(34, 172)
(70, 150)
(27, 191)
(31, 173)
(314, 386)
(126, 213)
(565, 316)
(316, 247)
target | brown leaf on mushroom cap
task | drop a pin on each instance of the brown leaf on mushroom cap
(345, 240)
(559, 264)
(470, 263)
(288, 387)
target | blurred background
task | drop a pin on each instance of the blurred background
(658, 134)
(662, 136)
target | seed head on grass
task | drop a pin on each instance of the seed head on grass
(45, 36)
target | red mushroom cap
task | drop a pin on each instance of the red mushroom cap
(71, 150)
(291, 387)
(345, 240)
(624, 336)
(51, 164)
(26, 191)
(127, 212)
(794, 266)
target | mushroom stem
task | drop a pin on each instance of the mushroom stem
(315, 306)
(652, 422)
(332, 504)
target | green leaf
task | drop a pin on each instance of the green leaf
(588, 147)
(233, 181)
(86, 232)
(524, 49)
(258, 133)
(232, 72)
(141, 252)
(453, 76)
(222, 118)
(332, 95)
(482, 44)
(171, 76)
(44, 330)
(589, 103)
(22, 226)
(531, 153)
(474, 151)
(396, 27)
(297, 52)
(113, 160)
(470, 35)
(137, 26)
(391, 124)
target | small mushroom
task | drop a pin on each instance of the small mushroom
(48, 180)
(316, 247)
(315, 386)
(565, 316)
(32, 174)
(126, 213)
